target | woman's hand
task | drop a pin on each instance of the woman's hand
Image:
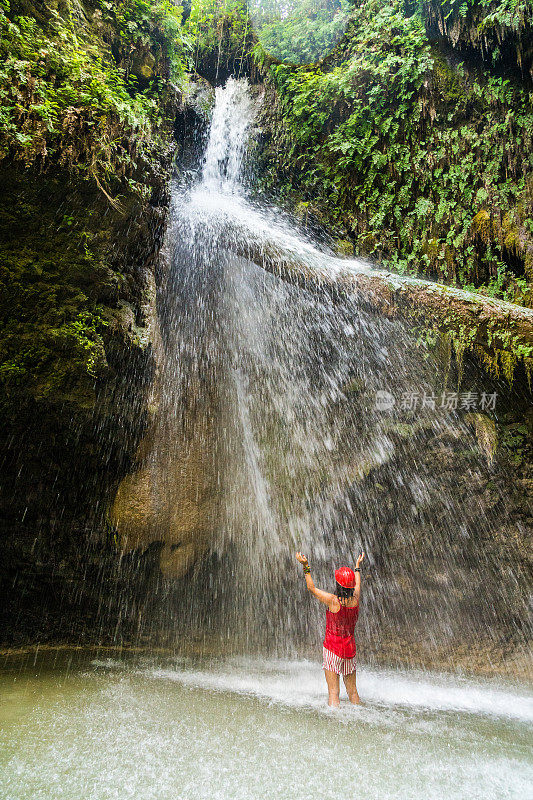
(360, 560)
(302, 559)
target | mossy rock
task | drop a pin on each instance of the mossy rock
(484, 226)
(447, 81)
(486, 433)
(431, 248)
(344, 247)
(76, 357)
(144, 66)
(58, 274)
(510, 233)
(368, 242)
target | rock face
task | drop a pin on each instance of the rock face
(346, 153)
(170, 501)
(171, 498)
(82, 218)
(78, 358)
(499, 332)
(107, 484)
(446, 595)
(462, 496)
(494, 32)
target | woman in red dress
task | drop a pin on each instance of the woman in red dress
(341, 616)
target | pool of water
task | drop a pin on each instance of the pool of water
(93, 728)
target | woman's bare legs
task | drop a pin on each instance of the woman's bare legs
(351, 688)
(332, 680)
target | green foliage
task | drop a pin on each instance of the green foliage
(63, 96)
(86, 109)
(512, 14)
(515, 441)
(402, 151)
(299, 31)
(143, 21)
(221, 32)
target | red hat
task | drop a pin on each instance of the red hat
(345, 577)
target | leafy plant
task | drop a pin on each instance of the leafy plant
(221, 33)
(425, 166)
(64, 97)
(299, 31)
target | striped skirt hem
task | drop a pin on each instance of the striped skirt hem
(334, 663)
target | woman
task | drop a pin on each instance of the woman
(341, 616)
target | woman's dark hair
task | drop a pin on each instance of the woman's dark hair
(342, 591)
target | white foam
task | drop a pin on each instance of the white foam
(301, 683)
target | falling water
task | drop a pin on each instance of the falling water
(268, 440)
(265, 438)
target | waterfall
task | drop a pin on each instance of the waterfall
(268, 438)
(270, 430)
(228, 138)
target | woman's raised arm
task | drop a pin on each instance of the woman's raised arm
(325, 597)
(357, 588)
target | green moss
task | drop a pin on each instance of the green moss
(58, 279)
(444, 333)
(448, 83)
(483, 226)
(83, 86)
(420, 161)
(515, 441)
(431, 248)
(510, 233)
(344, 247)
(367, 243)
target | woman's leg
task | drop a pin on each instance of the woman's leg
(351, 688)
(332, 680)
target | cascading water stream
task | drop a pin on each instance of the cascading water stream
(269, 440)
(282, 360)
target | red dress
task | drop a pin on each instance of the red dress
(340, 628)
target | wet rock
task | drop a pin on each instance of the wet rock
(486, 433)
(171, 500)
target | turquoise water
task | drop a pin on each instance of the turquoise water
(178, 729)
